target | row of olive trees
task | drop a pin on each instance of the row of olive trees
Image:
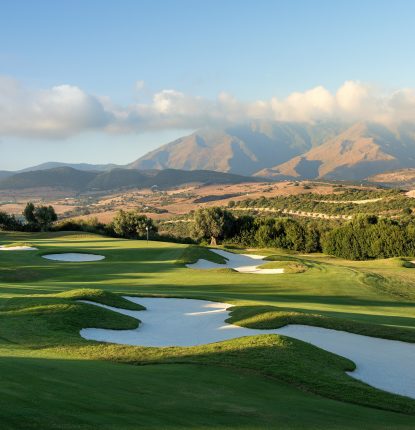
(214, 224)
(365, 237)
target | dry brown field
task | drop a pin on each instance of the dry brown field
(157, 205)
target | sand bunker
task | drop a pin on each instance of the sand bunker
(384, 364)
(73, 257)
(17, 248)
(243, 263)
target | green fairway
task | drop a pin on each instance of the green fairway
(52, 378)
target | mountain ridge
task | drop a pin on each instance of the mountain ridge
(77, 180)
(276, 150)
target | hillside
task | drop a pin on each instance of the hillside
(402, 177)
(242, 149)
(362, 150)
(72, 179)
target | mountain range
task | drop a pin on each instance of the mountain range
(292, 150)
(271, 149)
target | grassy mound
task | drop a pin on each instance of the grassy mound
(40, 321)
(192, 254)
(269, 317)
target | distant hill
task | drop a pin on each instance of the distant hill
(59, 177)
(5, 174)
(242, 149)
(78, 166)
(73, 179)
(362, 150)
(401, 178)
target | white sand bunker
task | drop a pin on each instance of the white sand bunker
(243, 263)
(18, 248)
(73, 257)
(384, 364)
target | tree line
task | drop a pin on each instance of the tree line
(364, 237)
(36, 218)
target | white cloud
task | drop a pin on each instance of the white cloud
(66, 110)
(58, 112)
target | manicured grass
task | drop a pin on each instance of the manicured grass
(40, 320)
(48, 327)
(86, 394)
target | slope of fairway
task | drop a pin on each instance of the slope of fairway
(101, 395)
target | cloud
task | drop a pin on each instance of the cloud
(67, 110)
(58, 112)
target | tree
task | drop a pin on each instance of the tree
(212, 223)
(132, 224)
(29, 213)
(45, 216)
(39, 217)
(9, 222)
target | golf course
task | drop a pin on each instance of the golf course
(53, 376)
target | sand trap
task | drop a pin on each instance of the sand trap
(17, 248)
(243, 263)
(73, 257)
(384, 364)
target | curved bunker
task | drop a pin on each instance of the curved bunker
(244, 263)
(381, 363)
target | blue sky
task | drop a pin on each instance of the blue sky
(250, 50)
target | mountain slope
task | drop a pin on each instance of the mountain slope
(360, 151)
(242, 149)
(401, 177)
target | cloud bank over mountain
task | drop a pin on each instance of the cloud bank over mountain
(66, 110)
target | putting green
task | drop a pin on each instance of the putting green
(40, 344)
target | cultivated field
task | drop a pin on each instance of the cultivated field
(53, 378)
